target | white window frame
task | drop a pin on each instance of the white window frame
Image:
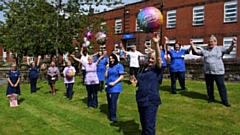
(137, 27)
(4, 58)
(129, 43)
(116, 48)
(118, 26)
(48, 56)
(102, 24)
(198, 42)
(102, 47)
(198, 15)
(148, 43)
(230, 14)
(227, 41)
(171, 19)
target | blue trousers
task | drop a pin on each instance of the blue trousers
(33, 84)
(69, 88)
(219, 79)
(148, 116)
(92, 95)
(112, 105)
(181, 78)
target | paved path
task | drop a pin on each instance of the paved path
(3, 81)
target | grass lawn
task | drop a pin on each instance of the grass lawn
(186, 113)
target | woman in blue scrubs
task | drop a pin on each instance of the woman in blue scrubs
(33, 74)
(147, 95)
(101, 69)
(177, 66)
(114, 74)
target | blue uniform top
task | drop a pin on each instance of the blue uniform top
(164, 63)
(33, 73)
(101, 68)
(113, 74)
(177, 60)
(13, 76)
(147, 92)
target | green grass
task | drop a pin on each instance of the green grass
(186, 113)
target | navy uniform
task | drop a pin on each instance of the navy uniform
(33, 76)
(13, 76)
(148, 98)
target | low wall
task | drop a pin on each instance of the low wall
(193, 71)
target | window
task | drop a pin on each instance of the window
(48, 56)
(4, 55)
(129, 43)
(116, 48)
(10, 54)
(227, 41)
(171, 19)
(171, 42)
(148, 43)
(118, 26)
(137, 27)
(230, 11)
(198, 41)
(102, 47)
(103, 26)
(198, 15)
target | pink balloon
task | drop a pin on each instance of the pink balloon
(88, 35)
(84, 45)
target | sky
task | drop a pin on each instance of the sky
(100, 7)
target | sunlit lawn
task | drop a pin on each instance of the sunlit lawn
(186, 113)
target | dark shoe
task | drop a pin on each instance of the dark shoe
(210, 100)
(227, 104)
(174, 92)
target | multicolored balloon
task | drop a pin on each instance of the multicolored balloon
(89, 35)
(87, 43)
(101, 38)
(149, 19)
(69, 74)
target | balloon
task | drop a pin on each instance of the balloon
(85, 39)
(149, 19)
(101, 38)
(43, 66)
(84, 45)
(88, 35)
(87, 43)
(69, 74)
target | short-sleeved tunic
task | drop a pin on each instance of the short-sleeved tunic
(113, 74)
(13, 76)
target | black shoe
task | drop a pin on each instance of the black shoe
(174, 92)
(210, 100)
(227, 104)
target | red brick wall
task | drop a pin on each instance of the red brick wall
(213, 22)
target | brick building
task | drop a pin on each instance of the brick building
(183, 20)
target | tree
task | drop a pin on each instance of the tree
(40, 27)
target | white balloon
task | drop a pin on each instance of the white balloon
(87, 43)
(85, 39)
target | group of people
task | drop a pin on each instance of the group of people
(147, 78)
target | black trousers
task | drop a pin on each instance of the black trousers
(219, 79)
(33, 84)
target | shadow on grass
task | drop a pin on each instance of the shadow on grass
(129, 127)
(21, 100)
(104, 109)
(126, 81)
(194, 95)
(165, 88)
(49, 92)
(85, 100)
